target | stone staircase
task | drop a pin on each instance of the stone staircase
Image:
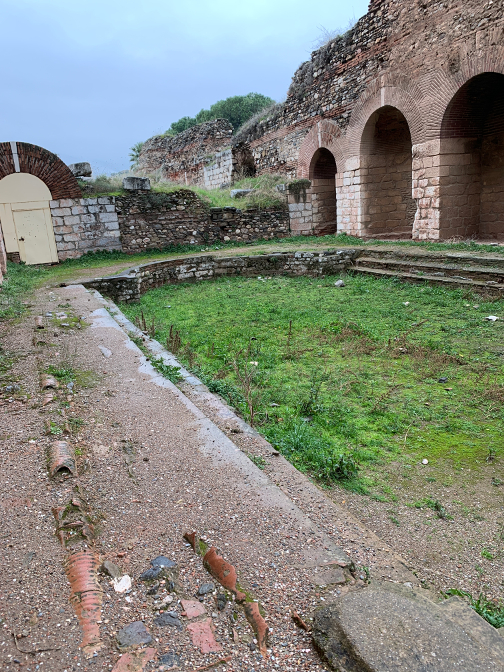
(453, 269)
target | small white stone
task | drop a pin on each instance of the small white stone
(123, 584)
(424, 461)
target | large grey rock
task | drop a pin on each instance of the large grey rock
(82, 169)
(134, 634)
(136, 184)
(240, 193)
(388, 627)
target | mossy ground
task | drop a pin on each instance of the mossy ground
(353, 371)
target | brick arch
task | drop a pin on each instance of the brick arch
(43, 164)
(323, 135)
(386, 96)
(447, 85)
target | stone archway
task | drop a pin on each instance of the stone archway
(323, 192)
(30, 178)
(386, 150)
(472, 160)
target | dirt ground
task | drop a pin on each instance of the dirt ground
(150, 466)
(461, 547)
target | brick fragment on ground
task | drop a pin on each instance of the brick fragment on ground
(203, 636)
(134, 662)
(192, 609)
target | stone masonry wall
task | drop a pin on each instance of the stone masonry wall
(182, 158)
(415, 57)
(85, 224)
(132, 284)
(157, 220)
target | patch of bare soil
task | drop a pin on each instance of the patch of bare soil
(449, 528)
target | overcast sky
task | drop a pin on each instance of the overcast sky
(88, 79)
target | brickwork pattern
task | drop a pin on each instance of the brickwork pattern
(416, 57)
(85, 225)
(43, 164)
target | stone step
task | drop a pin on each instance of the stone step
(390, 627)
(445, 257)
(435, 279)
(485, 274)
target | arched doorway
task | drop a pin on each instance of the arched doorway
(25, 217)
(472, 160)
(323, 192)
(388, 208)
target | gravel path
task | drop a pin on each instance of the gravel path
(152, 465)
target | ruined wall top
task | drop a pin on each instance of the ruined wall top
(186, 148)
(397, 38)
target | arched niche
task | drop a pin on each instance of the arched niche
(388, 208)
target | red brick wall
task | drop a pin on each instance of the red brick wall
(44, 165)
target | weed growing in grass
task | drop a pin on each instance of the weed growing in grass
(167, 370)
(492, 612)
(258, 460)
(434, 504)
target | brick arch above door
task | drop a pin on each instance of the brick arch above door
(45, 165)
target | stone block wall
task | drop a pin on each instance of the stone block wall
(157, 220)
(85, 224)
(219, 170)
(132, 284)
(251, 224)
(436, 69)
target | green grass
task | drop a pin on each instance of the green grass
(264, 196)
(16, 288)
(492, 612)
(346, 377)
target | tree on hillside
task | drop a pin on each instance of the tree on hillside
(135, 154)
(236, 109)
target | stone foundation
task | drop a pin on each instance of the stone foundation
(132, 284)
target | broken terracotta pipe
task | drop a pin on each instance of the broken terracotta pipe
(258, 624)
(86, 597)
(61, 459)
(47, 381)
(223, 572)
(226, 575)
(47, 398)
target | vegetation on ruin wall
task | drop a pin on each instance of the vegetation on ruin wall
(342, 379)
(264, 195)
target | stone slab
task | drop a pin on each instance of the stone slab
(388, 627)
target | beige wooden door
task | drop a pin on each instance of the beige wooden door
(25, 218)
(35, 234)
